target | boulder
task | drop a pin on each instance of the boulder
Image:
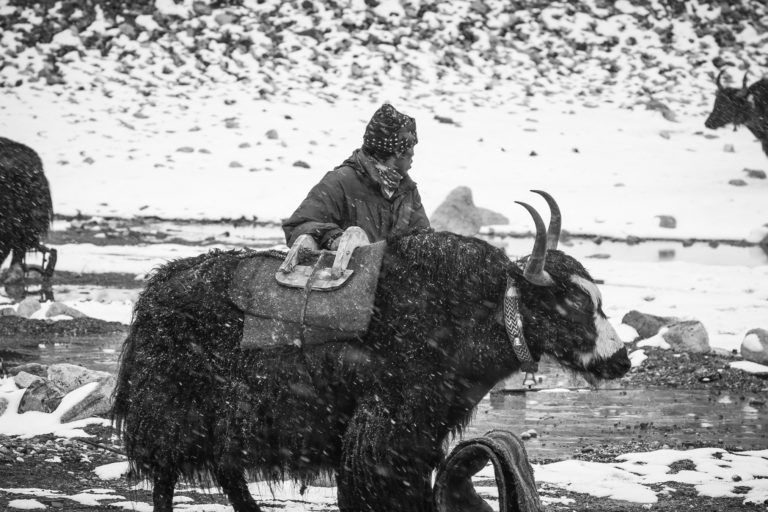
(687, 336)
(755, 346)
(755, 173)
(667, 221)
(98, 402)
(646, 325)
(43, 396)
(69, 377)
(24, 380)
(458, 214)
(28, 307)
(3, 405)
(41, 370)
(58, 308)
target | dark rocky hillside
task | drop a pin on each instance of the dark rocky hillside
(625, 51)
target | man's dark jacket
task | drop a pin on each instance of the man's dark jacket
(348, 196)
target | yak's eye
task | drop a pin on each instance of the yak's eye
(578, 302)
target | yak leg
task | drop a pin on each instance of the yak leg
(234, 485)
(386, 466)
(4, 254)
(162, 494)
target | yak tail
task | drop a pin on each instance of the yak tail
(122, 391)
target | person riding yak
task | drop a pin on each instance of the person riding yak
(371, 189)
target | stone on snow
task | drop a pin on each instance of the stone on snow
(755, 346)
(687, 336)
(458, 214)
(646, 325)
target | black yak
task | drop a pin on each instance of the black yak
(374, 413)
(26, 210)
(746, 106)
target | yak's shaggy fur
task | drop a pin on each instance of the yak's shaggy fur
(375, 413)
(26, 210)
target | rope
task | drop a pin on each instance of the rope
(302, 326)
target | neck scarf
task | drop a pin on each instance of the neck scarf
(387, 177)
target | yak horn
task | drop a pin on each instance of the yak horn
(717, 80)
(744, 80)
(534, 269)
(555, 220)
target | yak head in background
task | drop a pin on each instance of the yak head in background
(732, 105)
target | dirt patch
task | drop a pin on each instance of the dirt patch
(668, 369)
(15, 326)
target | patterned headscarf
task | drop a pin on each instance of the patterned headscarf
(389, 132)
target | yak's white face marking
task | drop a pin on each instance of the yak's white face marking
(608, 341)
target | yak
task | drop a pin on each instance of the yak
(746, 106)
(26, 209)
(453, 316)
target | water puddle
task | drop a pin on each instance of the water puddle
(96, 352)
(647, 251)
(568, 423)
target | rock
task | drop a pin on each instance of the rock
(301, 163)
(224, 18)
(201, 8)
(69, 377)
(128, 30)
(7, 312)
(687, 336)
(28, 307)
(667, 221)
(3, 405)
(737, 182)
(40, 370)
(24, 380)
(531, 433)
(646, 325)
(755, 173)
(444, 120)
(43, 396)
(755, 346)
(459, 214)
(57, 308)
(234, 165)
(272, 134)
(728, 148)
(97, 402)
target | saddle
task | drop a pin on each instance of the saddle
(311, 296)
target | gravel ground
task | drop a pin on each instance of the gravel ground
(668, 369)
(34, 463)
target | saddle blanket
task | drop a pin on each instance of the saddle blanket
(273, 313)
